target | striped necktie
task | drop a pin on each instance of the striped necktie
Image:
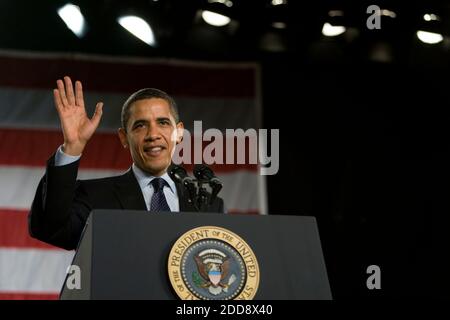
(158, 202)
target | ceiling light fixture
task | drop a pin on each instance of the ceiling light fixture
(139, 28)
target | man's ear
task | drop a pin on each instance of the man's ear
(180, 131)
(123, 137)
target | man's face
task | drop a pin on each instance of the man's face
(151, 135)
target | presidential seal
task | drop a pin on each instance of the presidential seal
(213, 263)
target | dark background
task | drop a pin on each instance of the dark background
(363, 117)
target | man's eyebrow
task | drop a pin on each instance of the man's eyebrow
(139, 121)
(162, 118)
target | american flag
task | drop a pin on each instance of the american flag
(221, 95)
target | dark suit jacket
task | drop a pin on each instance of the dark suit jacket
(62, 203)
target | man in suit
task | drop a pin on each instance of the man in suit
(151, 128)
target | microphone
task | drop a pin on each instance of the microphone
(179, 175)
(204, 173)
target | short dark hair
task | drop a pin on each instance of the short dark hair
(147, 93)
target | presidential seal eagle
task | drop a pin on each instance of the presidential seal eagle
(213, 266)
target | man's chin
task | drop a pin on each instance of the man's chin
(156, 169)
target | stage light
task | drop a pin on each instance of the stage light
(278, 2)
(228, 3)
(388, 13)
(73, 18)
(429, 37)
(430, 17)
(279, 25)
(336, 13)
(139, 28)
(215, 19)
(332, 31)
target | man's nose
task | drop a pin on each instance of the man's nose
(153, 133)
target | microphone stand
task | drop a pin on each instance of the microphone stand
(215, 187)
(192, 191)
(202, 197)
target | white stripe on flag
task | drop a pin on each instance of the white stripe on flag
(238, 191)
(29, 270)
(34, 108)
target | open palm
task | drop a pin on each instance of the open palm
(76, 125)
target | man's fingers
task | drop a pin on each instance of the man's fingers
(79, 99)
(97, 114)
(62, 92)
(58, 102)
(69, 91)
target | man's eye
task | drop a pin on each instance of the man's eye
(137, 126)
(164, 122)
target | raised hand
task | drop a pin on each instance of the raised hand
(77, 127)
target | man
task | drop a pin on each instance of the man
(150, 130)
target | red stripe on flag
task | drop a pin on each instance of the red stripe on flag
(14, 231)
(26, 147)
(179, 80)
(250, 212)
(28, 296)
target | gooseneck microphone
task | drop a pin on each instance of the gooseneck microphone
(204, 174)
(198, 196)
(179, 175)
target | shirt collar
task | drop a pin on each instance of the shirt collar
(144, 179)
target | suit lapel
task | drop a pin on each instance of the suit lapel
(129, 192)
(130, 195)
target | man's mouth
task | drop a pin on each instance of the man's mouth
(154, 151)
